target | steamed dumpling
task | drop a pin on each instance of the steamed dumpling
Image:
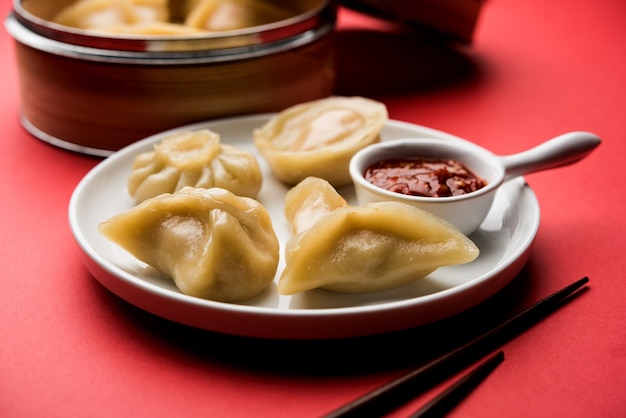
(370, 248)
(319, 138)
(194, 158)
(221, 15)
(213, 244)
(102, 14)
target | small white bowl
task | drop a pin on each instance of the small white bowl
(466, 211)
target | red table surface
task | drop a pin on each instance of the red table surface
(70, 348)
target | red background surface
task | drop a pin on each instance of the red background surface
(70, 348)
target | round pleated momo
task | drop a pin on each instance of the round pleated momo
(213, 244)
(319, 138)
(197, 159)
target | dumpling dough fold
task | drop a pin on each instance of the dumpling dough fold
(213, 244)
(312, 199)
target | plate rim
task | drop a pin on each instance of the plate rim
(97, 265)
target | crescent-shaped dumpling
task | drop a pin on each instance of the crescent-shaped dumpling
(197, 159)
(319, 138)
(371, 248)
(213, 244)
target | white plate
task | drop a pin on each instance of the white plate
(504, 239)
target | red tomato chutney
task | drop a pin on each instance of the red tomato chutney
(424, 177)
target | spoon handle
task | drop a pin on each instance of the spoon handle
(560, 151)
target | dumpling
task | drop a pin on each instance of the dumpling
(221, 15)
(319, 138)
(194, 158)
(101, 14)
(309, 201)
(371, 248)
(213, 244)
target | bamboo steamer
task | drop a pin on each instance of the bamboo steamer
(95, 93)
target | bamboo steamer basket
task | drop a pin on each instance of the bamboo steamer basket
(95, 93)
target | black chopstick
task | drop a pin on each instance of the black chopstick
(449, 398)
(393, 394)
